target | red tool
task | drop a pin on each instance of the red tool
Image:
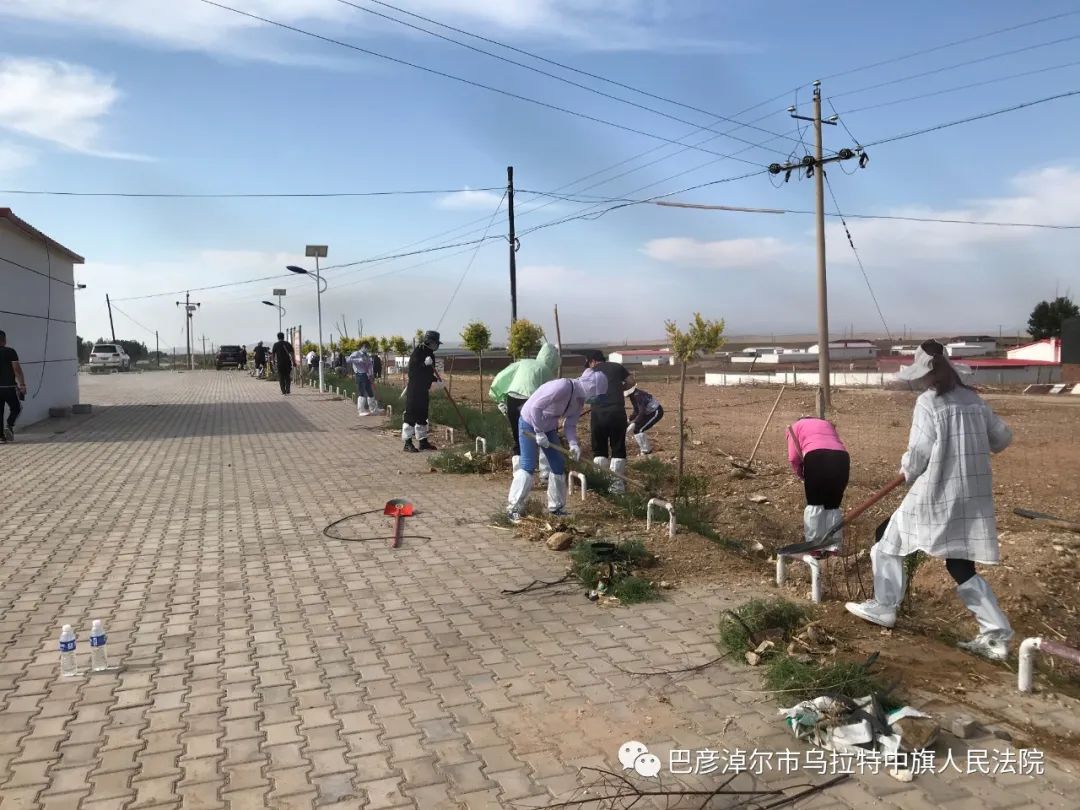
(399, 509)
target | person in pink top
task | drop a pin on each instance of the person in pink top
(822, 463)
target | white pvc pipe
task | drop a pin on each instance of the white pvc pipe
(1025, 680)
(389, 410)
(580, 478)
(450, 435)
(815, 573)
(481, 445)
(665, 505)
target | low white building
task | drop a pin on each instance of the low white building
(37, 311)
(848, 350)
(972, 345)
(643, 357)
(1047, 351)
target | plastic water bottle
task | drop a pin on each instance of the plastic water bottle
(67, 651)
(98, 659)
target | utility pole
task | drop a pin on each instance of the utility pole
(189, 310)
(203, 350)
(157, 349)
(815, 167)
(513, 244)
(108, 303)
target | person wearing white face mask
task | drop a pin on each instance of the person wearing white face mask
(538, 430)
(949, 510)
(363, 367)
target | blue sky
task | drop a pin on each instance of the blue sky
(178, 96)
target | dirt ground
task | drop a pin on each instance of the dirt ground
(1038, 582)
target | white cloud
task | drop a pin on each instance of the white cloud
(469, 200)
(722, 254)
(13, 158)
(57, 102)
(188, 24)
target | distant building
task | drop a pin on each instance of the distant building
(643, 357)
(971, 345)
(907, 350)
(1046, 351)
(848, 350)
(37, 280)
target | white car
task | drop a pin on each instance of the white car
(108, 356)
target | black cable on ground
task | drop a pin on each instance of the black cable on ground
(535, 585)
(326, 531)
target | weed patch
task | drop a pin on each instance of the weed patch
(748, 625)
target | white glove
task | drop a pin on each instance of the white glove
(502, 408)
(575, 452)
(543, 440)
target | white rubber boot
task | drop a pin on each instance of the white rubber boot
(643, 443)
(515, 463)
(519, 494)
(361, 406)
(601, 462)
(373, 405)
(618, 470)
(556, 492)
(888, 589)
(545, 468)
(994, 628)
(817, 520)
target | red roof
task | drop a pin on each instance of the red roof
(23, 225)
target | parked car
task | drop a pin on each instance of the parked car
(229, 357)
(107, 356)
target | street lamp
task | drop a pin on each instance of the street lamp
(317, 252)
(280, 309)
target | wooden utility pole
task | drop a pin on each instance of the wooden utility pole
(189, 309)
(108, 303)
(815, 167)
(513, 243)
(157, 349)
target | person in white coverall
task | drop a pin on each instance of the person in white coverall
(949, 510)
(362, 366)
(513, 386)
(538, 430)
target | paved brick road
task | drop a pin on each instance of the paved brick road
(263, 665)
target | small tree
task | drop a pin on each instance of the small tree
(383, 345)
(419, 337)
(1046, 318)
(701, 337)
(525, 339)
(399, 346)
(477, 338)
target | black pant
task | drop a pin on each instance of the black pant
(10, 397)
(285, 379)
(513, 413)
(960, 570)
(608, 428)
(646, 421)
(416, 406)
(825, 477)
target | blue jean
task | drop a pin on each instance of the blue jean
(363, 386)
(530, 450)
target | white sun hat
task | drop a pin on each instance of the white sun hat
(922, 363)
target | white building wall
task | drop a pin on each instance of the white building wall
(39, 318)
(1048, 351)
(632, 358)
(1014, 375)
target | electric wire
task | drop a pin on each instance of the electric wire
(548, 74)
(472, 259)
(952, 44)
(858, 258)
(241, 195)
(451, 76)
(141, 326)
(957, 65)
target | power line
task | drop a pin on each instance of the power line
(451, 76)
(858, 258)
(969, 119)
(146, 328)
(957, 65)
(551, 62)
(243, 195)
(957, 88)
(952, 44)
(472, 259)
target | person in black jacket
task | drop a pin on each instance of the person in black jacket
(283, 361)
(422, 377)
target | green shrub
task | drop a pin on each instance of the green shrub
(455, 461)
(589, 569)
(755, 620)
(631, 590)
(794, 681)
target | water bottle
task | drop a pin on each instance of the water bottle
(67, 651)
(98, 659)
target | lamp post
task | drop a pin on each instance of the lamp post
(317, 252)
(280, 312)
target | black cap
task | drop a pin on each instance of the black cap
(594, 355)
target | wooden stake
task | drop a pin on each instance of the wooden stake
(558, 339)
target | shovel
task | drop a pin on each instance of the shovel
(827, 539)
(399, 509)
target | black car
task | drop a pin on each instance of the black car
(229, 357)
